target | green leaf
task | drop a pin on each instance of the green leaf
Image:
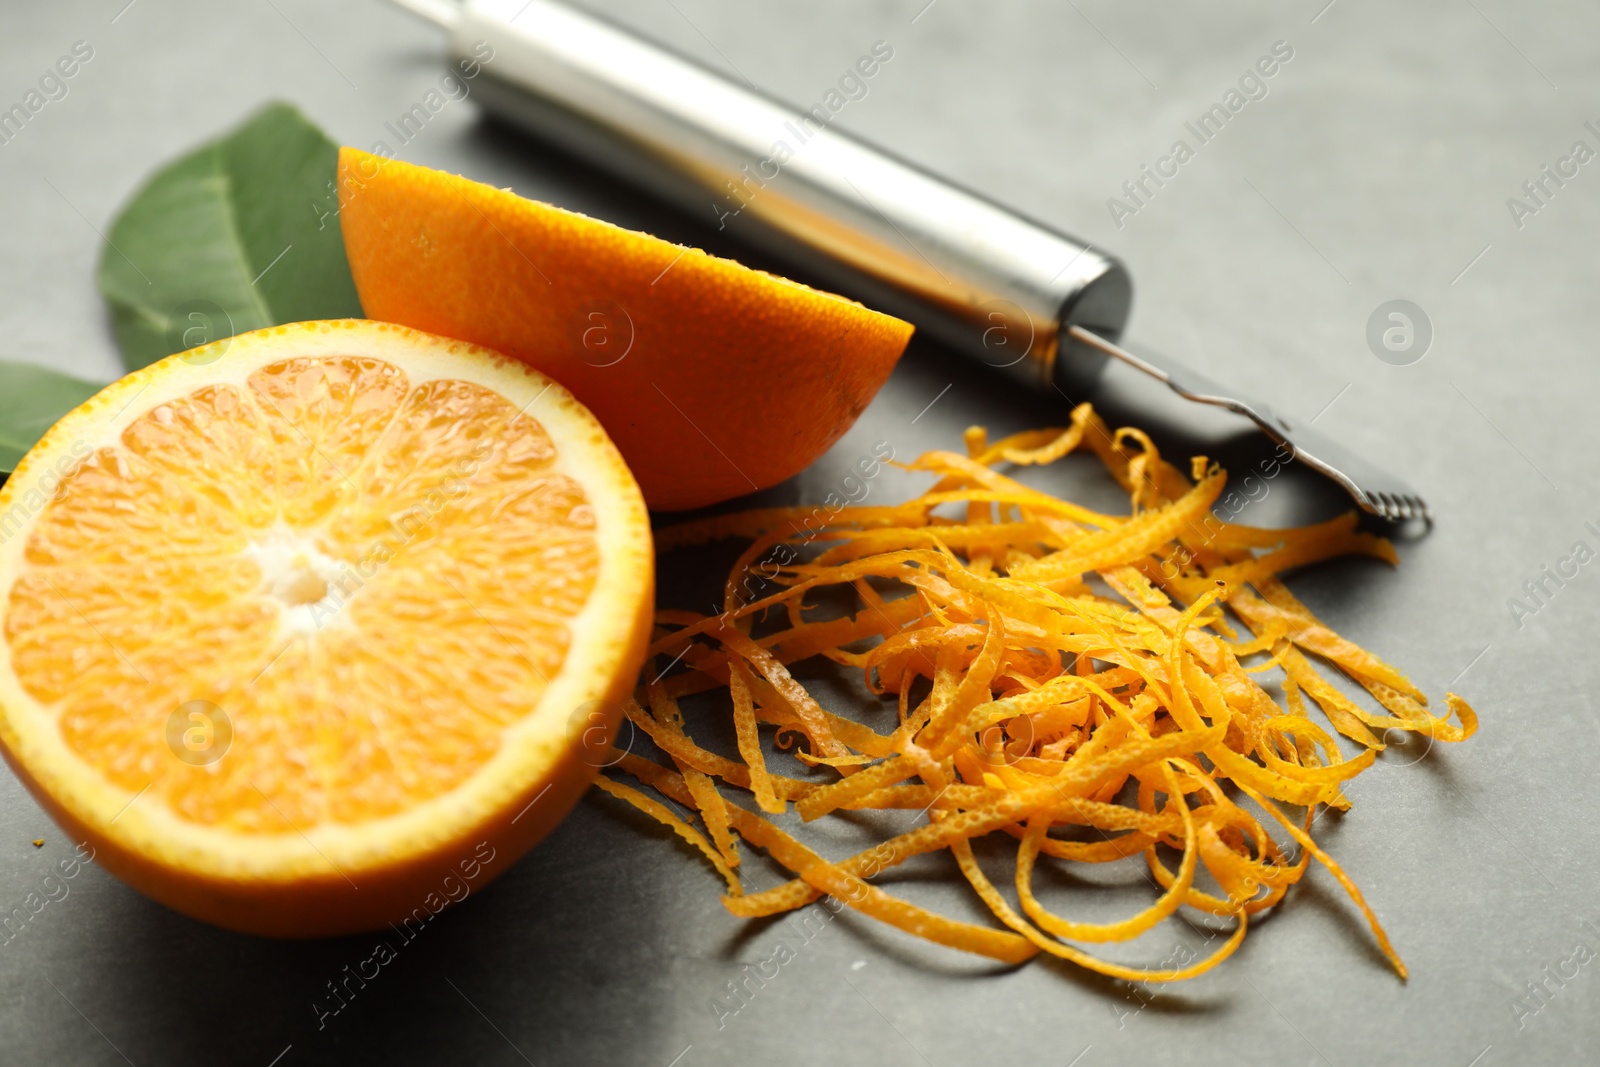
(240, 234)
(32, 398)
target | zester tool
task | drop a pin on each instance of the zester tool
(1009, 291)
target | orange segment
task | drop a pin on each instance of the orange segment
(308, 622)
(714, 380)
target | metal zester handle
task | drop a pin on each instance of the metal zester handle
(976, 275)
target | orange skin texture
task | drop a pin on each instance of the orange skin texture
(329, 906)
(735, 379)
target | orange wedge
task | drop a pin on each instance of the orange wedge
(320, 627)
(714, 380)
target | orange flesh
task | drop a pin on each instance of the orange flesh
(330, 556)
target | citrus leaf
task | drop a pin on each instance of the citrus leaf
(240, 234)
(32, 398)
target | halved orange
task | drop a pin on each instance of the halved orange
(320, 627)
(715, 380)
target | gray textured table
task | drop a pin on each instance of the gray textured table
(1377, 167)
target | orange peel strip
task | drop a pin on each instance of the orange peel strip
(1028, 700)
(662, 814)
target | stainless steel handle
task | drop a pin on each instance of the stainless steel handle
(978, 276)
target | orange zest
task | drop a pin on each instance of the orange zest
(1091, 685)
